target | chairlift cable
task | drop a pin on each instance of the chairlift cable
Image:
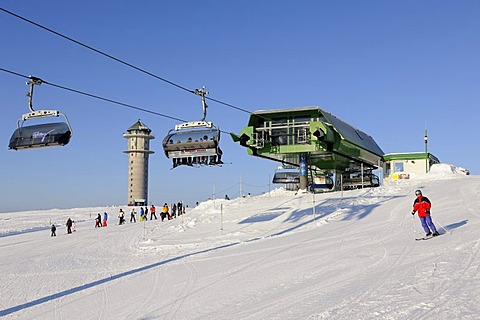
(113, 101)
(14, 73)
(95, 50)
(97, 97)
(101, 98)
(120, 60)
(255, 186)
(224, 190)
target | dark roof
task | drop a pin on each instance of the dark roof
(139, 126)
(353, 134)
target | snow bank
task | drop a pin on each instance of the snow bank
(447, 169)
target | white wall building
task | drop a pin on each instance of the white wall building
(407, 165)
(139, 137)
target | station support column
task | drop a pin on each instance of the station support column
(303, 172)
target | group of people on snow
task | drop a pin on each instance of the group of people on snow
(98, 220)
(177, 209)
(421, 204)
(166, 212)
(70, 224)
(143, 214)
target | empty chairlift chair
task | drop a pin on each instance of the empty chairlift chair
(283, 176)
(40, 135)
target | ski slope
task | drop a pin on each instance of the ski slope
(264, 257)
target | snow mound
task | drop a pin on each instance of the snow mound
(447, 169)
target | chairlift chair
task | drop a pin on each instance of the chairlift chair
(320, 181)
(284, 176)
(321, 184)
(40, 135)
(194, 143)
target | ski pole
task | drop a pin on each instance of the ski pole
(413, 225)
(446, 231)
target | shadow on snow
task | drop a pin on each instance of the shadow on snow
(323, 209)
(132, 272)
(105, 280)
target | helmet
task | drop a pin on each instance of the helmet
(418, 192)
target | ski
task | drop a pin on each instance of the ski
(423, 238)
(426, 238)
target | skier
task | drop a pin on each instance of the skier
(422, 205)
(54, 228)
(105, 218)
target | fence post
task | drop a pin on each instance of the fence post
(221, 217)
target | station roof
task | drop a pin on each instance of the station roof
(410, 156)
(347, 131)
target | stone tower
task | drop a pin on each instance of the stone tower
(139, 137)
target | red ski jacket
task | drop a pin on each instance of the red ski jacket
(422, 205)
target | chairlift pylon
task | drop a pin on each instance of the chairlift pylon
(194, 143)
(40, 135)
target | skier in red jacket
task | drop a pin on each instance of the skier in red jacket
(422, 205)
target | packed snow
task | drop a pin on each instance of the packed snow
(337, 255)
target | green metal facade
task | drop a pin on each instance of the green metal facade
(330, 143)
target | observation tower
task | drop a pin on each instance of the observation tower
(139, 137)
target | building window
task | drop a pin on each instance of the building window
(399, 167)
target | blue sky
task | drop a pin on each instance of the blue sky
(389, 68)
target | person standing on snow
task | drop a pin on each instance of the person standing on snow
(179, 208)
(121, 217)
(165, 214)
(54, 228)
(132, 215)
(98, 221)
(105, 218)
(69, 225)
(152, 212)
(422, 205)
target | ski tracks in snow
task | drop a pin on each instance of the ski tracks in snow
(188, 288)
(447, 279)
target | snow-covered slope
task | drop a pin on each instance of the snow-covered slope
(267, 257)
